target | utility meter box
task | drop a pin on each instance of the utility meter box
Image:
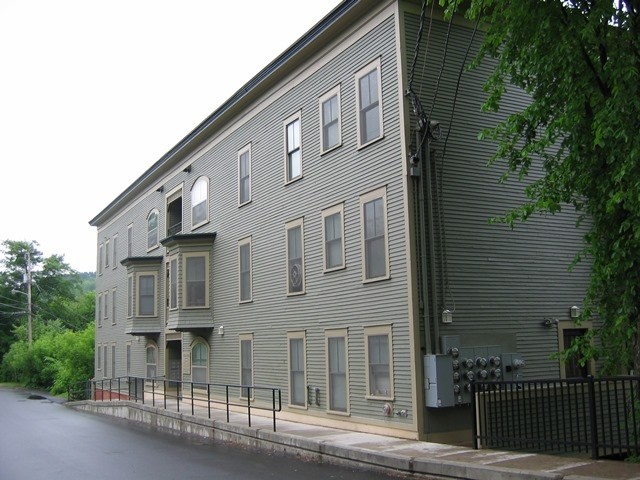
(438, 389)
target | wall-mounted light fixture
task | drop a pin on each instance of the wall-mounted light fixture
(187, 169)
(447, 316)
(221, 330)
(160, 190)
(574, 312)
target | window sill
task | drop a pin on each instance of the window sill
(331, 149)
(383, 399)
(376, 279)
(298, 407)
(337, 412)
(370, 142)
(293, 180)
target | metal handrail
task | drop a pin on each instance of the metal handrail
(114, 388)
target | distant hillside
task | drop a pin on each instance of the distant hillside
(88, 281)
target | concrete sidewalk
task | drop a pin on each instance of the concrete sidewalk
(431, 460)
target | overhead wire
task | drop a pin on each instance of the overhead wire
(441, 224)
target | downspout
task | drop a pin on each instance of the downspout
(432, 248)
(423, 250)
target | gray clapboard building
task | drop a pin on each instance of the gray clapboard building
(326, 232)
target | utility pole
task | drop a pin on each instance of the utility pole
(29, 305)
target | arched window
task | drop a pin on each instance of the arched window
(199, 361)
(152, 360)
(152, 229)
(200, 202)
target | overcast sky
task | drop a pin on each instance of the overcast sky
(92, 93)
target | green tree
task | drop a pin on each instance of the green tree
(56, 294)
(579, 60)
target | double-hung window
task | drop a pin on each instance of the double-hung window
(369, 104)
(293, 149)
(147, 294)
(106, 305)
(173, 283)
(200, 202)
(330, 133)
(246, 364)
(337, 371)
(114, 305)
(379, 360)
(196, 280)
(106, 254)
(375, 253)
(152, 360)
(99, 316)
(100, 256)
(130, 296)
(115, 251)
(295, 257)
(130, 240)
(244, 175)
(244, 263)
(297, 379)
(152, 230)
(333, 237)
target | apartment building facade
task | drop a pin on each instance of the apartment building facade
(308, 236)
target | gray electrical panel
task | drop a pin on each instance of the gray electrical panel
(438, 371)
(448, 376)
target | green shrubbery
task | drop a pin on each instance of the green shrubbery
(59, 357)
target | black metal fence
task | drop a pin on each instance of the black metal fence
(181, 395)
(600, 417)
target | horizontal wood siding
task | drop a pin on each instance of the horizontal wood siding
(337, 299)
(502, 283)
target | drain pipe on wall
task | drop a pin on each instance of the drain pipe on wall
(424, 291)
(432, 248)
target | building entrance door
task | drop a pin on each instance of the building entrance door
(174, 362)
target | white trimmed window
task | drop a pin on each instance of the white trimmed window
(244, 266)
(333, 237)
(369, 104)
(99, 315)
(196, 280)
(105, 372)
(130, 240)
(114, 305)
(130, 296)
(246, 364)
(128, 358)
(244, 175)
(379, 360)
(105, 302)
(297, 370)
(100, 256)
(200, 202)
(106, 254)
(295, 257)
(99, 356)
(375, 253)
(115, 251)
(146, 294)
(152, 360)
(337, 371)
(113, 360)
(199, 361)
(330, 121)
(173, 283)
(152, 230)
(293, 148)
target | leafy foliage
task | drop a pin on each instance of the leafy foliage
(58, 358)
(579, 60)
(63, 310)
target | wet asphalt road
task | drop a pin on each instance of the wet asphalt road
(40, 439)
